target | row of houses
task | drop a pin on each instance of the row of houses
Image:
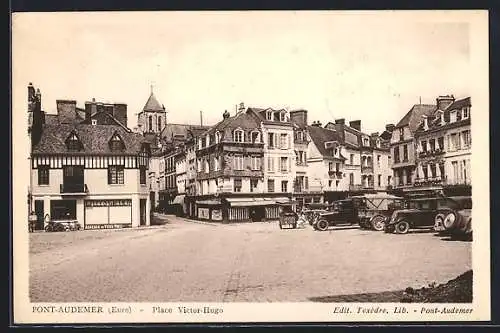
(243, 167)
(87, 164)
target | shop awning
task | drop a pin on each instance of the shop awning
(179, 199)
(208, 202)
(245, 202)
(283, 200)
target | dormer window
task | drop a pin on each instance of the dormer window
(401, 133)
(465, 113)
(269, 115)
(238, 135)
(300, 136)
(116, 143)
(453, 116)
(378, 143)
(94, 121)
(336, 152)
(282, 116)
(217, 137)
(366, 142)
(426, 123)
(73, 143)
(441, 118)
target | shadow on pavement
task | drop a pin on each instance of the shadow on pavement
(458, 290)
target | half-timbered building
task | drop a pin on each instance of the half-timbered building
(87, 171)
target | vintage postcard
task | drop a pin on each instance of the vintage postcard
(254, 166)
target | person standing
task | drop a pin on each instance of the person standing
(32, 219)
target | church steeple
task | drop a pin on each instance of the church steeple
(152, 118)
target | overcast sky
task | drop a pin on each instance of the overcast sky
(368, 66)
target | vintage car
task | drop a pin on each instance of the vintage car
(288, 217)
(417, 214)
(343, 212)
(454, 217)
(375, 209)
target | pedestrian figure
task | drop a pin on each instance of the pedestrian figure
(32, 221)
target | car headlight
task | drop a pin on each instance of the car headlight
(449, 220)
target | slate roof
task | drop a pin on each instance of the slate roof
(243, 120)
(414, 116)
(152, 104)
(458, 104)
(320, 135)
(434, 119)
(94, 138)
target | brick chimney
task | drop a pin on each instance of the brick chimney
(31, 97)
(389, 127)
(225, 115)
(374, 134)
(299, 117)
(340, 121)
(120, 113)
(241, 107)
(36, 117)
(444, 101)
(356, 124)
(88, 111)
(316, 123)
(66, 111)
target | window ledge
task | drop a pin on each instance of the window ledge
(116, 184)
(43, 185)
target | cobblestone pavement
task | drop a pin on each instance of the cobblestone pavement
(250, 262)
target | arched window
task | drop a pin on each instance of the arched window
(159, 124)
(238, 135)
(150, 123)
(255, 137)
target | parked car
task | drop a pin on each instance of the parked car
(288, 217)
(343, 212)
(454, 217)
(417, 214)
(375, 209)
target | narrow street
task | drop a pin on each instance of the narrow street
(253, 262)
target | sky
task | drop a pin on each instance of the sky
(353, 65)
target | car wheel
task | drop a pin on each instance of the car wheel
(378, 223)
(48, 228)
(402, 227)
(449, 220)
(322, 225)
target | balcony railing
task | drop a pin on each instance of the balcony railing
(336, 173)
(355, 187)
(428, 153)
(73, 188)
(367, 168)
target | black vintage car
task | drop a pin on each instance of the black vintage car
(454, 217)
(417, 214)
(343, 212)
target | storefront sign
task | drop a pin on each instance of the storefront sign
(204, 213)
(216, 215)
(106, 203)
(107, 226)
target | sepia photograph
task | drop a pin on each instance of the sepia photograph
(250, 166)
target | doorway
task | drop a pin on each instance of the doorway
(257, 214)
(39, 215)
(142, 208)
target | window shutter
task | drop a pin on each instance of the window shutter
(275, 140)
(306, 182)
(289, 164)
(288, 137)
